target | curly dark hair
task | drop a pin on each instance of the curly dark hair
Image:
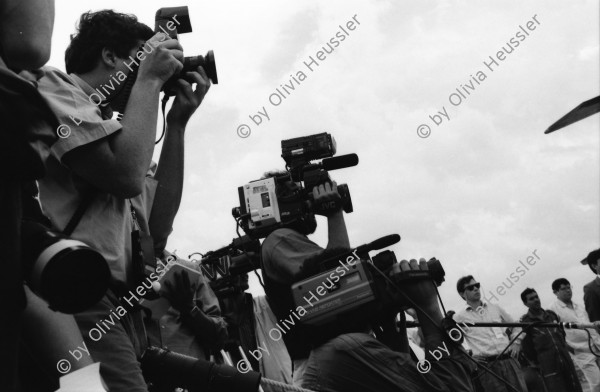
(559, 282)
(103, 29)
(525, 293)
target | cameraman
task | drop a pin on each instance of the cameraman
(346, 357)
(284, 256)
(192, 325)
(99, 166)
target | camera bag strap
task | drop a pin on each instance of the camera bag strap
(86, 200)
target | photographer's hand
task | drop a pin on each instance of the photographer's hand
(164, 60)
(180, 292)
(187, 99)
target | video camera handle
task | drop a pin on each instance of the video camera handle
(362, 250)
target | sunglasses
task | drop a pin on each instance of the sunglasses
(473, 286)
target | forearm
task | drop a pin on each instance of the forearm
(133, 146)
(50, 335)
(430, 320)
(338, 234)
(170, 185)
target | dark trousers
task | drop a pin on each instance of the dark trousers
(507, 369)
(558, 371)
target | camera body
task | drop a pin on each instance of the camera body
(263, 209)
(225, 267)
(176, 20)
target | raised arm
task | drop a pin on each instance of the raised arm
(26, 32)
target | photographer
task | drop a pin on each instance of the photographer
(100, 166)
(347, 357)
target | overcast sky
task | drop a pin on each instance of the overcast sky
(484, 190)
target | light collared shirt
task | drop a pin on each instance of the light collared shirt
(107, 222)
(485, 342)
(576, 338)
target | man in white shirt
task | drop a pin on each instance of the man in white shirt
(488, 344)
(570, 312)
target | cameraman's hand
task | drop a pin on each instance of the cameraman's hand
(421, 291)
(180, 292)
(165, 60)
(327, 199)
(187, 99)
(514, 350)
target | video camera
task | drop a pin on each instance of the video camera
(263, 209)
(224, 266)
(350, 285)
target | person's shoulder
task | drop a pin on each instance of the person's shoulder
(51, 79)
(461, 314)
(281, 234)
(553, 314)
(524, 318)
(594, 285)
(53, 73)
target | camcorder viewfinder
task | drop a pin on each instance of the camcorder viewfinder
(262, 209)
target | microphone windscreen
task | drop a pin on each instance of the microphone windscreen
(340, 162)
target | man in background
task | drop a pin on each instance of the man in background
(591, 291)
(571, 312)
(546, 347)
(490, 345)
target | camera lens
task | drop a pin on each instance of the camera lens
(66, 273)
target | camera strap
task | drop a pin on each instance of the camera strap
(143, 258)
(86, 200)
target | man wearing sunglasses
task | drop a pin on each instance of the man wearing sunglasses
(572, 312)
(489, 345)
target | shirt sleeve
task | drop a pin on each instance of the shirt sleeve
(216, 333)
(285, 255)
(80, 118)
(507, 318)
